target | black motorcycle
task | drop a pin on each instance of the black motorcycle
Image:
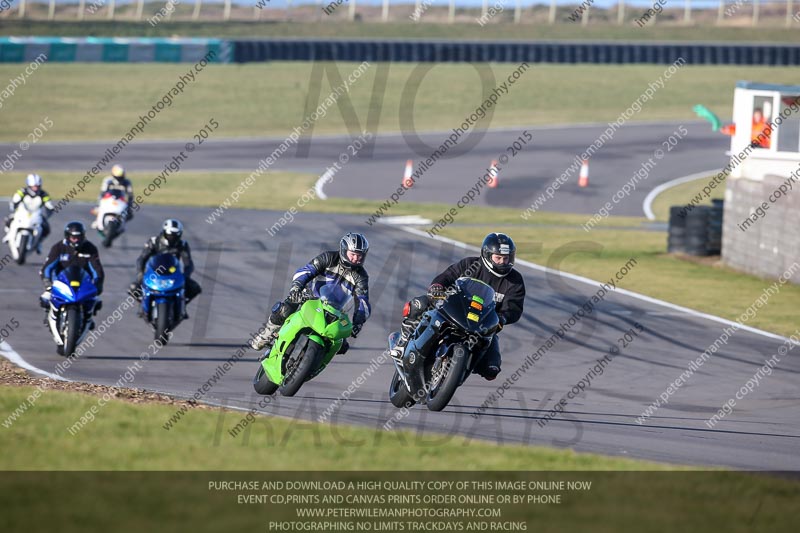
(446, 346)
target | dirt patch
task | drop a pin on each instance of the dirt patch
(14, 376)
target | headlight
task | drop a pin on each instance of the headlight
(160, 284)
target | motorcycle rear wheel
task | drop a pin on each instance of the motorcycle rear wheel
(398, 394)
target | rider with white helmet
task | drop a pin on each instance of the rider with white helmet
(33, 190)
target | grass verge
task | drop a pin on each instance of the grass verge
(104, 101)
(129, 436)
(682, 194)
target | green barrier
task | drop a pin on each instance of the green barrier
(113, 50)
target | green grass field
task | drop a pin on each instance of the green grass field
(94, 101)
(402, 30)
(713, 289)
(637, 496)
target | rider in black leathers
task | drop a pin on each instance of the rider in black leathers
(169, 241)
(495, 267)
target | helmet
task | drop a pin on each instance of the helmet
(118, 171)
(33, 180)
(498, 244)
(74, 229)
(172, 231)
(353, 242)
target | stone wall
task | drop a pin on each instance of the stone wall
(767, 246)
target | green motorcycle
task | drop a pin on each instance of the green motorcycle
(306, 342)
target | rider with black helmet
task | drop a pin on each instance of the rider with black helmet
(169, 241)
(73, 250)
(345, 267)
(495, 267)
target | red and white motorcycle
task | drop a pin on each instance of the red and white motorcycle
(112, 213)
(24, 233)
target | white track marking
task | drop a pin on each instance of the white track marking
(595, 283)
(8, 352)
(648, 201)
(320, 184)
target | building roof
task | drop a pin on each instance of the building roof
(756, 86)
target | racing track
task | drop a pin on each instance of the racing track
(243, 276)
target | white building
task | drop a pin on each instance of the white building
(762, 198)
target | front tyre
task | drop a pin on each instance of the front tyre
(445, 377)
(163, 321)
(23, 248)
(300, 367)
(111, 232)
(262, 384)
(398, 393)
(72, 330)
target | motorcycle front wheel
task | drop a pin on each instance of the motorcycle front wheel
(23, 248)
(262, 384)
(300, 367)
(163, 321)
(446, 375)
(72, 330)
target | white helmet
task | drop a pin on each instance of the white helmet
(33, 180)
(118, 171)
(172, 231)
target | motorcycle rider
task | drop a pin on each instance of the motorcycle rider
(118, 181)
(345, 267)
(32, 189)
(73, 250)
(169, 241)
(495, 267)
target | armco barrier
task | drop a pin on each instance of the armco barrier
(514, 52)
(109, 49)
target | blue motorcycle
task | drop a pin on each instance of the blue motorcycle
(163, 301)
(73, 303)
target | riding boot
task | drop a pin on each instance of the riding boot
(407, 328)
(266, 336)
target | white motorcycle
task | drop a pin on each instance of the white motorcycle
(112, 213)
(25, 231)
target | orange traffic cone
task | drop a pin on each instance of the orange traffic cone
(583, 178)
(494, 179)
(408, 182)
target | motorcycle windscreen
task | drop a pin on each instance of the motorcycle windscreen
(335, 295)
(163, 273)
(114, 194)
(73, 284)
(472, 306)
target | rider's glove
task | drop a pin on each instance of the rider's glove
(502, 322)
(436, 292)
(295, 294)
